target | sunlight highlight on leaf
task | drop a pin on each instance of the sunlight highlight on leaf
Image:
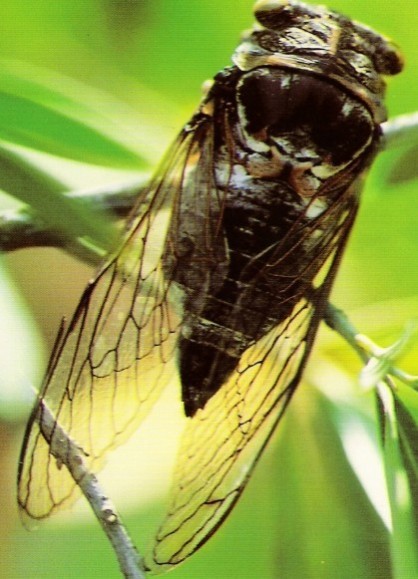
(60, 115)
(21, 364)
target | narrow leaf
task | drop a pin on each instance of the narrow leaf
(126, 136)
(72, 217)
(30, 124)
(403, 538)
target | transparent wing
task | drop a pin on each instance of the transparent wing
(223, 441)
(115, 358)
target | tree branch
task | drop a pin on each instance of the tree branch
(24, 228)
(383, 369)
(64, 449)
(401, 130)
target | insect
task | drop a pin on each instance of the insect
(224, 272)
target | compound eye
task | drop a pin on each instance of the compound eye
(308, 112)
(346, 135)
(264, 100)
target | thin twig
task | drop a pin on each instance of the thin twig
(401, 130)
(338, 321)
(67, 452)
(24, 228)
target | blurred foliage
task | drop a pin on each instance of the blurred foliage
(91, 92)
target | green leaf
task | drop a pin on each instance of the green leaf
(408, 398)
(73, 218)
(405, 168)
(323, 494)
(30, 124)
(406, 407)
(399, 446)
(23, 179)
(62, 116)
(21, 351)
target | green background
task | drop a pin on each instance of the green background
(104, 85)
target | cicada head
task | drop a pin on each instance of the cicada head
(291, 34)
(311, 95)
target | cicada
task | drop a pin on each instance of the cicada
(224, 272)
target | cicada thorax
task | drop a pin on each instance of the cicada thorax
(292, 128)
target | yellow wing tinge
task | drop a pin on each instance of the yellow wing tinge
(115, 358)
(223, 441)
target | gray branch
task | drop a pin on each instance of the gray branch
(64, 449)
(24, 228)
(401, 130)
